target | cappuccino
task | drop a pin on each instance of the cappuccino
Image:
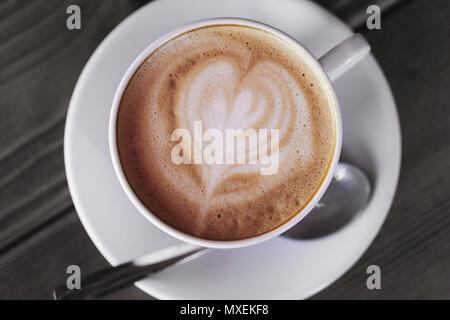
(226, 78)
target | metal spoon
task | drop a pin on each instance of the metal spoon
(102, 282)
(347, 195)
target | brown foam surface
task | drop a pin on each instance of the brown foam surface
(228, 77)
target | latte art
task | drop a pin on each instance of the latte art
(207, 90)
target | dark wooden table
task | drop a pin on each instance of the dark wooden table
(40, 61)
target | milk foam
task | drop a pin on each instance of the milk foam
(228, 77)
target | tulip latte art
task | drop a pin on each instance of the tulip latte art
(226, 77)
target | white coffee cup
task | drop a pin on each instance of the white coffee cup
(330, 66)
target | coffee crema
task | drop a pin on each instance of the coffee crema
(228, 77)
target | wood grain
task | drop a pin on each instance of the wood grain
(40, 61)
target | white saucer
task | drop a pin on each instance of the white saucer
(281, 268)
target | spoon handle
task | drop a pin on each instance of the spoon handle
(102, 282)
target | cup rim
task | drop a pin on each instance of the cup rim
(178, 234)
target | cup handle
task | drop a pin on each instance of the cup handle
(344, 56)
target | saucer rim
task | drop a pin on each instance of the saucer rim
(69, 129)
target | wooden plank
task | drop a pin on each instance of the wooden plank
(39, 263)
